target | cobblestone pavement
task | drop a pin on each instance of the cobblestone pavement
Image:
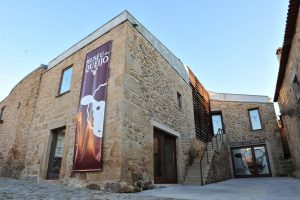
(275, 188)
(17, 189)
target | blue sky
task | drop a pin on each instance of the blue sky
(229, 44)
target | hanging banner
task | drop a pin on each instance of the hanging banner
(90, 115)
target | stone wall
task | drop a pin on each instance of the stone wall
(151, 87)
(54, 111)
(288, 103)
(239, 132)
(220, 166)
(17, 119)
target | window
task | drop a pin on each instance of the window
(254, 119)
(1, 114)
(217, 123)
(65, 82)
(179, 100)
(296, 88)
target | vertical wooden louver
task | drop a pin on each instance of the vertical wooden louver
(201, 109)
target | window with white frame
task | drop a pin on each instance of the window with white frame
(65, 82)
(255, 119)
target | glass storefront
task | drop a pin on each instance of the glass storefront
(250, 161)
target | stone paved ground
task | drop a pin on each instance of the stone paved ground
(278, 188)
(271, 188)
(17, 189)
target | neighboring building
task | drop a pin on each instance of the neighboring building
(252, 134)
(287, 91)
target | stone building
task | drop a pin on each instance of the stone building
(287, 91)
(149, 128)
(17, 113)
(154, 113)
(252, 134)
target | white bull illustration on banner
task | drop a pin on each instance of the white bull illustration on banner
(98, 108)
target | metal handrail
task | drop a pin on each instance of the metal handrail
(202, 183)
(220, 132)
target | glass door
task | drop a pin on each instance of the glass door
(250, 161)
(56, 154)
(262, 162)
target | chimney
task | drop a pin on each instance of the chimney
(278, 53)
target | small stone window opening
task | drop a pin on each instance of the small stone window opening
(179, 100)
(254, 117)
(296, 88)
(1, 114)
(65, 81)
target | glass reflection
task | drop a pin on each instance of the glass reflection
(250, 161)
(243, 162)
(66, 80)
(261, 160)
(217, 123)
(255, 119)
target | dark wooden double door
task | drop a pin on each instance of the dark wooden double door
(251, 161)
(165, 164)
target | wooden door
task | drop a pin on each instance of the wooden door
(165, 164)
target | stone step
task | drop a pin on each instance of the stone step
(198, 169)
(195, 180)
(198, 172)
(195, 176)
(204, 163)
(204, 160)
(195, 171)
(192, 183)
